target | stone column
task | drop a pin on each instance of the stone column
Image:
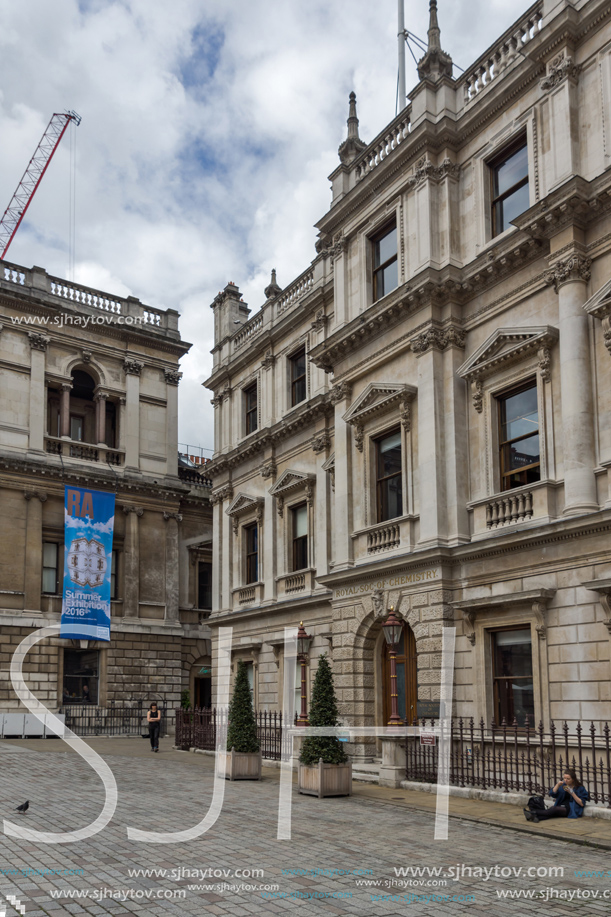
(64, 410)
(267, 535)
(131, 592)
(100, 417)
(222, 538)
(132, 368)
(171, 567)
(570, 277)
(38, 400)
(319, 534)
(218, 556)
(431, 477)
(33, 551)
(340, 395)
(172, 378)
(456, 456)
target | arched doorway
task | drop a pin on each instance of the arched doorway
(407, 677)
(201, 683)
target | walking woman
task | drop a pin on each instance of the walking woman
(570, 795)
(154, 720)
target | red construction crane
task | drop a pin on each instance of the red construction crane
(27, 187)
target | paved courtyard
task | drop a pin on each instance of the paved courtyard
(337, 845)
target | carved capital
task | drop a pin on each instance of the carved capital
(133, 509)
(437, 339)
(39, 494)
(38, 341)
(268, 470)
(320, 442)
(560, 69)
(100, 396)
(168, 516)
(172, 376)
(132, 367)
(320, 321)
(339, 392)
(575, 268)
(268, 360)
(222, 493)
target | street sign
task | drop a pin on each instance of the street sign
(426, 739)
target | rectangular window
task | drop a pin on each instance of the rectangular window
(509, 175)
(299, 519)
(385, 272)
(251, 537)
(513, 676)
(81, 676)
(298, 377)
(251, 409)
(76, 428)
(519, 437)
(204, 584)
(389, 490)
(50, 557)
(114, 579)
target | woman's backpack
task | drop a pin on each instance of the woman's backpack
(536, 803)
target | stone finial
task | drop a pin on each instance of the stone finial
(435, 63)
(352, 145)
(272, 289)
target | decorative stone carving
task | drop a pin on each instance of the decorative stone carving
(225, 395)
(167, 516)
(606, 323)
(359, 436)
(272, 289)
(405, 414)
(340, 245)
(320, 442)
(222, 493)
(132, 367)
(377, 599)
(340, 391)
(38, 341)
(268, 360)
(309, 493)
(41, 495)
(438, 339)
(469, 623)
(172, 376)
(424, 168)
(320, 321)
(280, 506)
(86, 355)
(545, 363)
(571, 269)
(478, 395)
(133, 509)
(100, 396)
(559, 69)
(268, 470)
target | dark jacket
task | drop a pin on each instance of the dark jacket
(563, 798)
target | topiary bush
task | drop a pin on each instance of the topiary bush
(323, 712)
(242, 728)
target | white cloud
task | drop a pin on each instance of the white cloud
(208, 133)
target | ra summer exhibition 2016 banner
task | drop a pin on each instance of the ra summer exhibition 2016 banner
(89, 517)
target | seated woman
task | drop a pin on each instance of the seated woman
(570, 795)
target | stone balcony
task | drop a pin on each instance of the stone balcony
(298, 583)
(244, 596)
(532, 504)
(395, 536)
(83, 452)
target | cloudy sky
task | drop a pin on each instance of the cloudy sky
(209, 129)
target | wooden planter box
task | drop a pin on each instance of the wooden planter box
(236, 765)
(326, 779)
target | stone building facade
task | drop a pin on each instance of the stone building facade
(421, 418)
(88, 396)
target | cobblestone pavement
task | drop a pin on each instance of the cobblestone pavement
(334, 840)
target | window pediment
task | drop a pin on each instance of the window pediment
(377, 398)
(243, 503)
(290, 481)
(599, 304)
(507, 345)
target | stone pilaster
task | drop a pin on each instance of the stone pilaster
(342, 529)
(100, 399)
(38, 399)
(64, 410)
(569, 278)
(172, 378)
(131, 593)
(432, 480)
(171, 567)
(33, 551)
(132, 368)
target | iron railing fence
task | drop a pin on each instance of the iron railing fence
(113, 720)
(515, 758)
(196, 728)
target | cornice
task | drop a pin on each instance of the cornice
(575, 203)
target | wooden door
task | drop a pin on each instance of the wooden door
(407, 677)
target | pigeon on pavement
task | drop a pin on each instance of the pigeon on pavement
(23, 807)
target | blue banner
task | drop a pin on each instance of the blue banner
(89, 517)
